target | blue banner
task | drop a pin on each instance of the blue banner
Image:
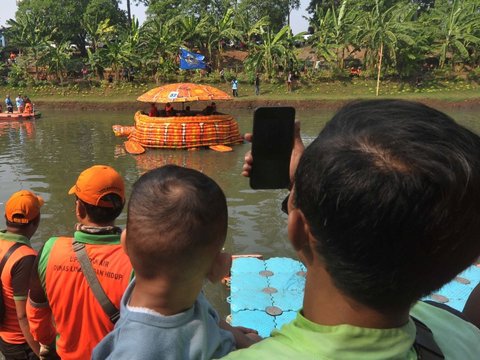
(190, 60)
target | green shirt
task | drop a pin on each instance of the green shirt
(8, 236)
(303, 339)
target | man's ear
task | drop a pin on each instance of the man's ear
(80, 210)
(220, 267)
(123, 241)
(299, 235)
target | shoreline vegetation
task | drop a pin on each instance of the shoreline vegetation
(325, 95)
(98, 57)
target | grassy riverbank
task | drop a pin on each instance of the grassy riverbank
(324, 94)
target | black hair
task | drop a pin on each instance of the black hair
(177, 219)
(104, 215)
(391, 192)
(18, 225)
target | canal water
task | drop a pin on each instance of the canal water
(47, 155)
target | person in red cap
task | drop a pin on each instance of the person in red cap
(80, 280)
(22, 216)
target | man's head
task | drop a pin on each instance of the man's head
(177, 223)
(22, 212)
(390, 191)
(100, 193)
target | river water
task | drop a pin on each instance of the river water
(47, 155)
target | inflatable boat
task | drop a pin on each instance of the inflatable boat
(19, 116)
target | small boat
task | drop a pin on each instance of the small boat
(20, 116)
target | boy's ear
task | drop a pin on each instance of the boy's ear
(123, 241)
(220, 267)
(300, 235)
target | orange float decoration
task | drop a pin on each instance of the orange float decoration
(183, 132)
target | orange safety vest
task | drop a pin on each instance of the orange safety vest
(79, 319)
(10, 330)
(28, 108)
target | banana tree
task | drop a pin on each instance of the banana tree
(122, 50)
(274, 52)
(158, 46)
(98, 32)
(456, 28)
(56, 58)
(29, 34)
(216, 30)
(381, 30)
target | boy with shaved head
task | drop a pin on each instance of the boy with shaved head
(176, 228)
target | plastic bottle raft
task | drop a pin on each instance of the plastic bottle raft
(265, 294)
(183, 132)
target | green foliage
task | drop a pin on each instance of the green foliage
(456, 25)
(60, 18)
(389, 38)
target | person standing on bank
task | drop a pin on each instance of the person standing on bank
(257, 84)
(79, 281)
(289, 81)
(22, 216)
(234, 87)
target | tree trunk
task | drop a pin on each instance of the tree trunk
(380, 57)
(129, 12)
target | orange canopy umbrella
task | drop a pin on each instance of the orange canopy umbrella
(183, 92)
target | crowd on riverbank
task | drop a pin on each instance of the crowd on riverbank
(396, 181)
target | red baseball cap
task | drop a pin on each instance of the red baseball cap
(97, 181)
(22, 207)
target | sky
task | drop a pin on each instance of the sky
(298, 23)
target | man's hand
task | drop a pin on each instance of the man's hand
(297, 151)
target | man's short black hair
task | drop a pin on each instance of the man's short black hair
(177, 221)
(103, 215)
(19, 225)
(391, 192)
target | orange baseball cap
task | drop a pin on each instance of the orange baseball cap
(98, 181)
(25, 205)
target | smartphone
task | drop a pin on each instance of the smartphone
(272, 144)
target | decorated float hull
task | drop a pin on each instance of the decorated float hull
(184, 132)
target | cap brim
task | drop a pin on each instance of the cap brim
(72, 190)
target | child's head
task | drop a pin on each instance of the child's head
(391, 193)
(177, 224)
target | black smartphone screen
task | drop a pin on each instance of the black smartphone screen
(272, 144)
